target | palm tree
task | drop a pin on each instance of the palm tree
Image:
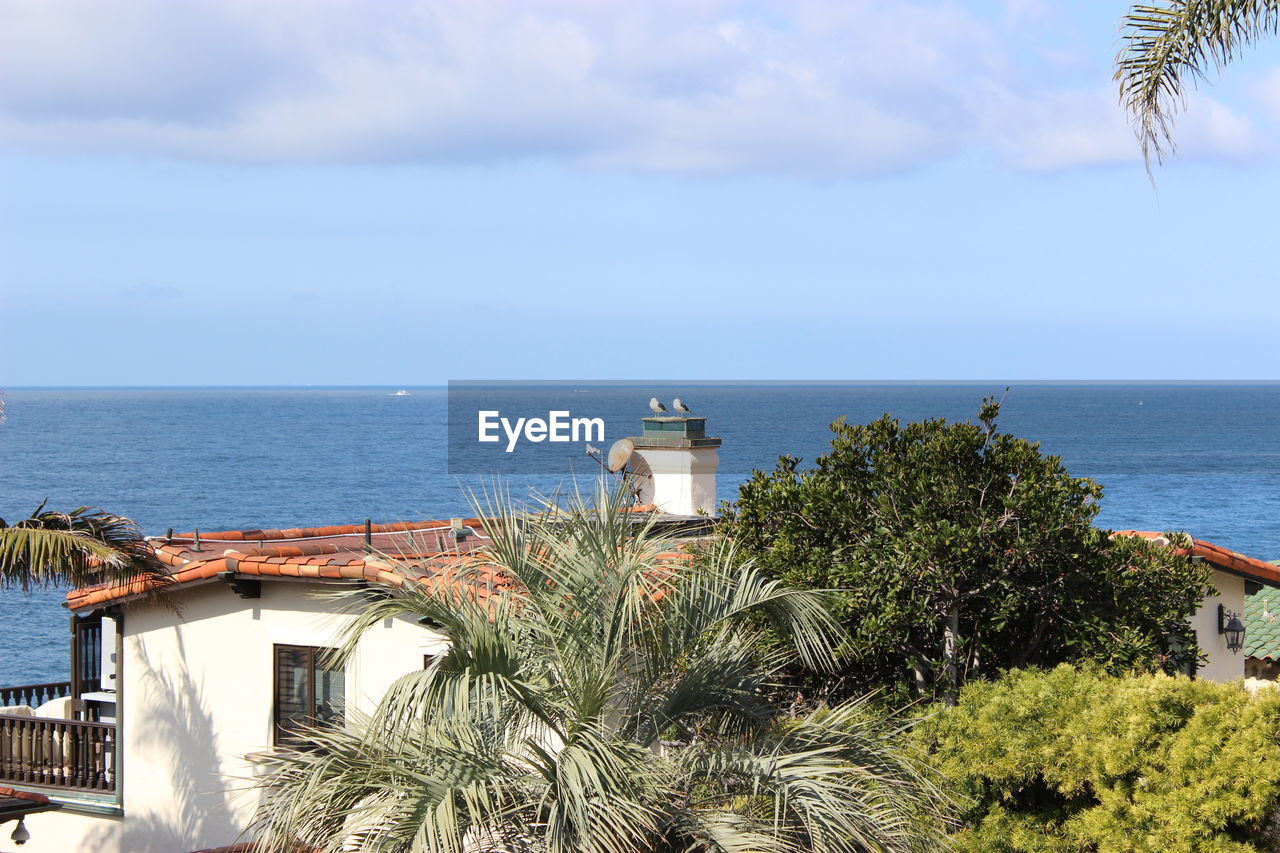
(1167, 45)
(85, 546)
(608, 696)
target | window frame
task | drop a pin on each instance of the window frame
(280, 735)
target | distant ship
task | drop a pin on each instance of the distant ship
(401, 393)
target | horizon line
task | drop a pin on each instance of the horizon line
(621, 383)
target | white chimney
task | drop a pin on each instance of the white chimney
(675, 465)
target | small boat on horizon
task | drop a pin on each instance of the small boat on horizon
(401, 393)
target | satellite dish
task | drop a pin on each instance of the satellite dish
(620, 454)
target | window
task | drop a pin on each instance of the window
(309, 693)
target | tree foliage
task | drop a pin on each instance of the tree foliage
(960, 551)
(606, 698)
(1071, 760)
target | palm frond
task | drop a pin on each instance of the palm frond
(1173, 44)
(837, 781)
(82, 547)
(723, 589)
(420, 788)
(607, 698)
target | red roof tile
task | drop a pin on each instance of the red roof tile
(39, 799)
(334, 552)
(425, 552)
(1223, 558)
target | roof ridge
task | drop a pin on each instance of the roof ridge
(1219, 555)
(317, 532)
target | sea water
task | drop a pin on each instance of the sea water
(1201, 458)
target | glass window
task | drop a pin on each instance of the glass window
(308, 692)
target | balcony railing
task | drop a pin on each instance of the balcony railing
(34, 695)
(58, 753)
(50, 749)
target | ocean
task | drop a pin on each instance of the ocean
(1201, 458)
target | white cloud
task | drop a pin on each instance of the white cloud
(1266, 91)
(811, 87)
(1060, 129)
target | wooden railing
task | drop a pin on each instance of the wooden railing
(58, 753)
(34, 695)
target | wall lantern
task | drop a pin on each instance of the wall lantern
(1230, 625)
(21, 835)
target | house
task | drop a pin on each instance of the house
(175, 696)
(154, 742)
(1217, 617)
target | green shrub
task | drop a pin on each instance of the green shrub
(1076, 760)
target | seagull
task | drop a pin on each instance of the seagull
(656, 407)
(679, 406)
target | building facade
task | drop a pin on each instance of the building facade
(190, 688)
(178, 694)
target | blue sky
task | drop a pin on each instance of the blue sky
(404, 193)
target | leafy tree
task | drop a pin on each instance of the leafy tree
(1070, 760)
(607, 697)
(1169, 44)
(960, 551)
(82, 547)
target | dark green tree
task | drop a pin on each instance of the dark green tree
(960, 551)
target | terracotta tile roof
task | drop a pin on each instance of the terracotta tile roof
(15, 805)
(430, 551)
(1222, 558)
(248, 847)
(14, 794)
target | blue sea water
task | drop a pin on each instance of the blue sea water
(1204, 458)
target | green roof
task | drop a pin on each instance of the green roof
(1262, 624)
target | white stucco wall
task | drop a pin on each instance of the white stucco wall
(64, 831)
(198, 700)
(681, 481)
(1222, 664)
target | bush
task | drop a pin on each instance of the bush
(1076, 760)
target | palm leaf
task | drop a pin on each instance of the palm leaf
(82, 547)
(1168, 46)
(606, 698)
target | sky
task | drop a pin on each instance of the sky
(223, 192)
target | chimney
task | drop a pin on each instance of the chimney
(675, 465)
